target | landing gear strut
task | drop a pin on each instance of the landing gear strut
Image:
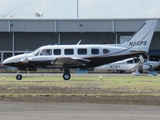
(66, 75)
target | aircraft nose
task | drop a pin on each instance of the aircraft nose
(5, 62)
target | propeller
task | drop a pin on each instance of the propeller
(25, 60)
(26, 57)
(139, 66)
(141, 59)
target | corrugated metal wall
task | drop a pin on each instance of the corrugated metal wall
(33, 25)
(123, 34)
(155, 43)
(6, 41)
(31, 41)
(87, 38)
(128, 26)
(33, 33)
(4, 26)
(84, 26)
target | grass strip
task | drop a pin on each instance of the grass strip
(91, 95)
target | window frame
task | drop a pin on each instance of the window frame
(94, 52)
(69, 51)
(59, 51)
(83, 51)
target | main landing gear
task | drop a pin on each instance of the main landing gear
(66, 75)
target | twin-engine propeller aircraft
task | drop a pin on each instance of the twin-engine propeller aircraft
(83, 56)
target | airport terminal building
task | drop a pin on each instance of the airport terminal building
(20, 35)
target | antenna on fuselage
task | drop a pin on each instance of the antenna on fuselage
(79, 42)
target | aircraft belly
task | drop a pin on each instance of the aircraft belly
(58, 62)
(42, 63)
(98, 61)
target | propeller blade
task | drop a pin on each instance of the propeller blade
(141, 59)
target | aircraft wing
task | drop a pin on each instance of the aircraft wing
(118, 66)
(71, 61)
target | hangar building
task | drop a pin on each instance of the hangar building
(20, 35)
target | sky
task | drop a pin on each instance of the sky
(87, 8)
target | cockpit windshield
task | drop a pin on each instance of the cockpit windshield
(36, 52)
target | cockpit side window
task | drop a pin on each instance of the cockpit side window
(105, 51)
(46, 52)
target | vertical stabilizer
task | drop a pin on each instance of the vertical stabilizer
(141, 40)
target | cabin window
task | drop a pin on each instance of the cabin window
(68, 51)
(82, 51)
(57, 51)
(105, 51)
(46, 52)
(95, 51)
(130, 61)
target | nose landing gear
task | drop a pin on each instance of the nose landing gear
(19, 76)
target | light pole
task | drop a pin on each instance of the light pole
(77, 8)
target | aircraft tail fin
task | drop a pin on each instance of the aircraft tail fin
(141, 40)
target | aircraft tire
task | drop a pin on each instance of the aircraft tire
(19, 77)
(66, 76)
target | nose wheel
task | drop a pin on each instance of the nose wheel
(19, 77)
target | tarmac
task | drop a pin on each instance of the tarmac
(69, 111)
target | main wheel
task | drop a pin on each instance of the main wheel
(19, 77)
(66, 76)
